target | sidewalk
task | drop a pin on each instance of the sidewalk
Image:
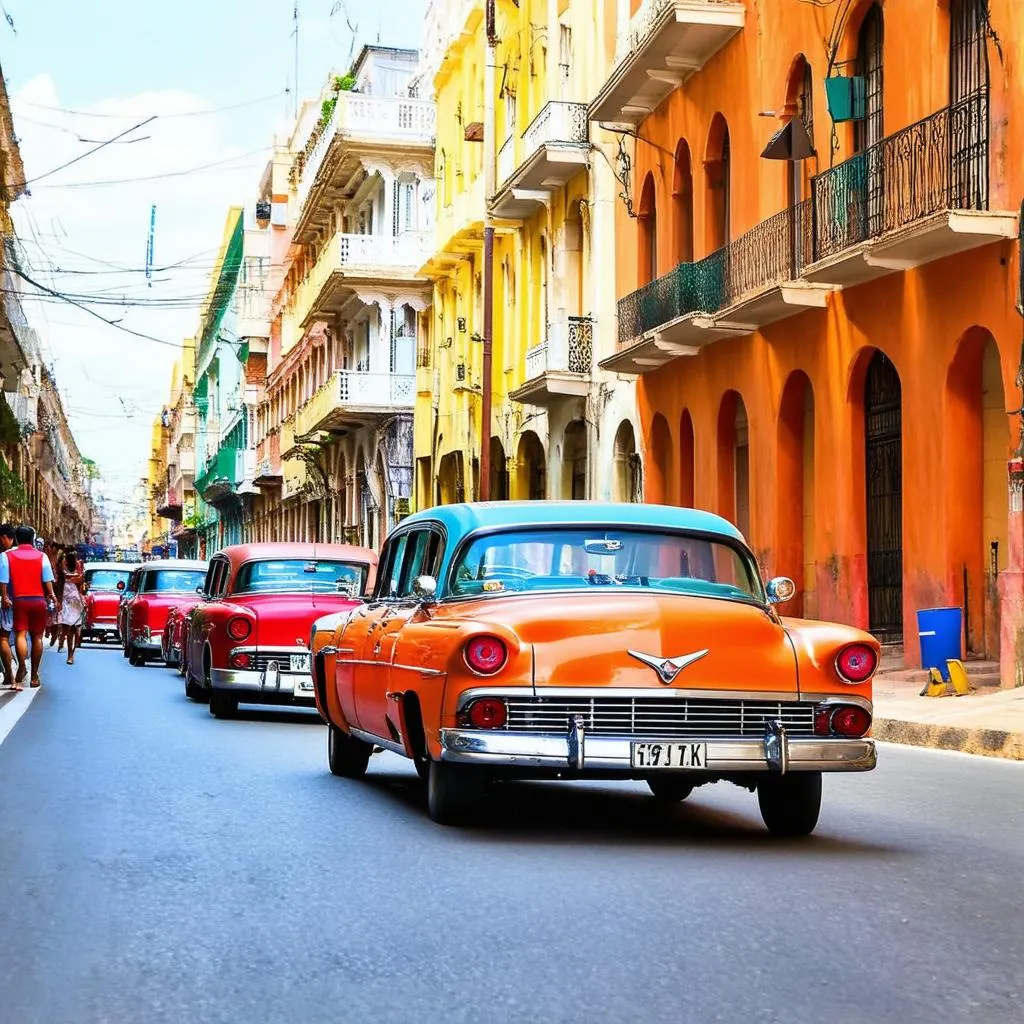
(989, 720)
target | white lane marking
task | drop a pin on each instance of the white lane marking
(14, 709)
(942, 752)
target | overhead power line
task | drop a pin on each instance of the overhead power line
(178, 114)
(166, 174)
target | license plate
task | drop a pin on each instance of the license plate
(303, 688)
(299, 663)
(669, 755)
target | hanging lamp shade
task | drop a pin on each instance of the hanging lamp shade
(790, 142)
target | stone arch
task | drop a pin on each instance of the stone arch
(795, 489)
(978, 443)
(450, 482)
(800, 104)
(530, 469)
(718, 186)
(682, 204)
(627, 475)
(734, 462)
(687, 460)
(574, 461)
(647, 222)
(658, 478)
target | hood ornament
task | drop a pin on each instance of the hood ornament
(669, 668)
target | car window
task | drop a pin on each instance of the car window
(576, 558)
(217, 579)
(422, 558)
(389, 574)
(172, 581)
(105, 579)
(301, 575)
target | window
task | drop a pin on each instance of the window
(422, 558)
(390, 570)
(105, 579)
(301, 576)
(564, 50)
(572, 558)
(172, 581)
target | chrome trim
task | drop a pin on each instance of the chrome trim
(586, 692)
(855, 682)
(379, 741)
(838, 698)
(577, 742)
(255, 682)
(392, 664)
(497, 748)
(776, 746)
(668, 668)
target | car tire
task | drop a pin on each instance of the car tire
(194, 691)
(134, 658)
(670, 789)
(347, 756)
(422, 765)
(454, 792)
(223, 704)
(790, 804)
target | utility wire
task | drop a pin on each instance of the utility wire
(165, 174)
(182, 113)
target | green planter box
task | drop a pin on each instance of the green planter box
(846, 97)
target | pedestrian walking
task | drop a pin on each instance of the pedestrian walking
(7, 616)
(26, 585)
(53, 552)
(71, 606)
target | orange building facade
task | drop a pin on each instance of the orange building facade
(818, 284)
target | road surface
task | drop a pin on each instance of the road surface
(160, 865)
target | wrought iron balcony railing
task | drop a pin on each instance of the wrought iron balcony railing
(938, 163)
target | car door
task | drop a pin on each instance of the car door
(419, 555)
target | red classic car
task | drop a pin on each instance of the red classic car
(588, 640)
(105, 581)
(171, 643)
(159, 586)
(247, 640)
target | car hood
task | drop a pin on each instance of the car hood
(586, 640)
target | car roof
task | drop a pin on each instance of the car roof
(173, 563)
(463, 518)
(116, 566)
(298, 549)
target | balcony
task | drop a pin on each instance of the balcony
(748, 284)
(185, 427)
(267, 471)
(221, 475)
(351, 260)
(169, 504)
(186, 461)
(560, 366)
(352, 398)
(916, 196)
(287, 437)
(359, 123)
(553, 149)
(667, 42)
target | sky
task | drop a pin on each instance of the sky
(79, 74)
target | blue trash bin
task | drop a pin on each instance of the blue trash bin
(939, 631)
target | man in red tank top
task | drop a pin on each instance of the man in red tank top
(26, 583)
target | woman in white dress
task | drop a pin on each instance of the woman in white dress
(72, 608)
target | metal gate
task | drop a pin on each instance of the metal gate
(968, 104)
(883, 463)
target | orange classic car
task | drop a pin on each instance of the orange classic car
(582, 640)
(246, 642)
(159, 586)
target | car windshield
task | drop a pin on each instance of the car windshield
(173, 581)
(302, 576)
(105, 579)
(576, 558)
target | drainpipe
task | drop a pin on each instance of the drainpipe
(489, 172)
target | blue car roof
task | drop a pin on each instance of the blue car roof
(466, 517)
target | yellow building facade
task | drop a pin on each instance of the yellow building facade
(560, 427)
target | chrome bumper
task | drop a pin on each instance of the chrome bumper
(578, 752)
(270, 684)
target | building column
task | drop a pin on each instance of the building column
(1011, 585)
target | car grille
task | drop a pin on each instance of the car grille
(283, 659)
(653, 716)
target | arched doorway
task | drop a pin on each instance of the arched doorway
(574, 461)
(499, 471)
(978, 440)
(800, 103)
(647, 222)
(734, 462)
(794, 516)
(530, 468)
(686, 460)
(659, 473)
(627, 480)
(682, 204)
(883, 478)
(717, 175)
(450, 485)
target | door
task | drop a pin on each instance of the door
(968, 102)
(868, 132)
(883, 464)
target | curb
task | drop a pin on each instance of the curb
(987, 742)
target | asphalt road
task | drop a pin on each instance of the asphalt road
(159, 865)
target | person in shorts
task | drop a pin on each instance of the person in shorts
(26, 585)
(7, 617)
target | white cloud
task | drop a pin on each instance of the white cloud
(103, 372)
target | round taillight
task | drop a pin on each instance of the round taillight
(487, 713)
(486, 654)
(850, 720)
(856, 663)
(239, 628)
(240, 660)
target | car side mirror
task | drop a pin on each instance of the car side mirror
(424, 588)
(120, 584)
(780, 589)
(199, 590)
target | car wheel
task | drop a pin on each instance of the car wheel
(223, 704)
(670, 788)
(454, 792)
(134, 658)
(790, 804)
(347, 756)
(422, 767)
(194, 691)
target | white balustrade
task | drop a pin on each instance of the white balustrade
(357, 387)
(556, 122)
(536, 360)
(569, 348)
(409, 249)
